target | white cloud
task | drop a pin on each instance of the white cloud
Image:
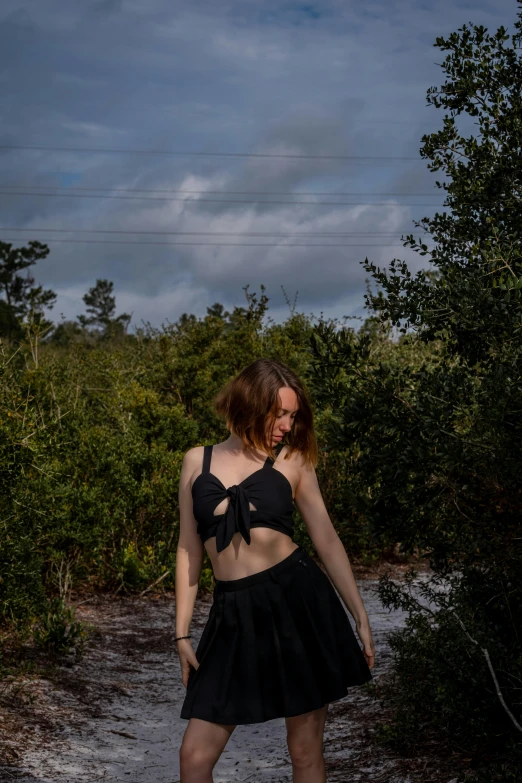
(94, 130)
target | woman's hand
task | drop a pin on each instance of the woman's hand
(187, 658)
(365, 635)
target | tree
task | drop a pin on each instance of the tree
(477, 245)
(20, 295)
(433, 427)
(217, 310)
(101, 306)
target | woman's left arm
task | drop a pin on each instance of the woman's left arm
(309, 501)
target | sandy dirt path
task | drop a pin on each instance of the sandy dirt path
(114, 715)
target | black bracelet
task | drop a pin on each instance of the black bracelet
(182, 637)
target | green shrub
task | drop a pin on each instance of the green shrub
(58, 630)
(92, 437)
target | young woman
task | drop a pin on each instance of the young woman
(278, 641)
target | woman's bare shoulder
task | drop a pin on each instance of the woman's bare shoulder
(301, 467)
(193, 457)
(294, 459)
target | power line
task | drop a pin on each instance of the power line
(223, 201)
(201, 153)
(73, 188)
(313, 234)
(208, 244)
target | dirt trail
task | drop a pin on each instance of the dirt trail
(113, 716)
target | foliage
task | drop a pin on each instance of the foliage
(101, 307)
(92, 436)
(20, 295)
(430, 414)
(476, 245)
(59, 631)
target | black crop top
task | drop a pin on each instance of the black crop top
(267, 489)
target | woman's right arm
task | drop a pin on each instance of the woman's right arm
(189, 562)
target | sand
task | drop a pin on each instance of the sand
(114, 714)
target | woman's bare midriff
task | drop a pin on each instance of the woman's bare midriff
(267, 547)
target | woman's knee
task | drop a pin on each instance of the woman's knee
(195, 757)
(202, 745)
(305, 753)
(304, 737)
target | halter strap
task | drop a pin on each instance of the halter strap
(207, 456)
(269, 461)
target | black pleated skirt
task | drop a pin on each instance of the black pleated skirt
(277, 643)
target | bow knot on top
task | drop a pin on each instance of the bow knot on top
(236, 518)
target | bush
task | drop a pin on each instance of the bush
(58, 630)
(92, 437)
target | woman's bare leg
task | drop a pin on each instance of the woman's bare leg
(201, 747)
(304, 736)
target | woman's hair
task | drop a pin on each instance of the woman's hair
(248, 399)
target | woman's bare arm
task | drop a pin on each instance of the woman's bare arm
(190, 550)
(309, 501)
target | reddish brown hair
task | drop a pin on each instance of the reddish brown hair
(248, 399)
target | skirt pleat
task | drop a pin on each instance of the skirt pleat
(278, 643)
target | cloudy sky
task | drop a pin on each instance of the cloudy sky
(127, 124)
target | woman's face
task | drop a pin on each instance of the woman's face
(288, 407)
